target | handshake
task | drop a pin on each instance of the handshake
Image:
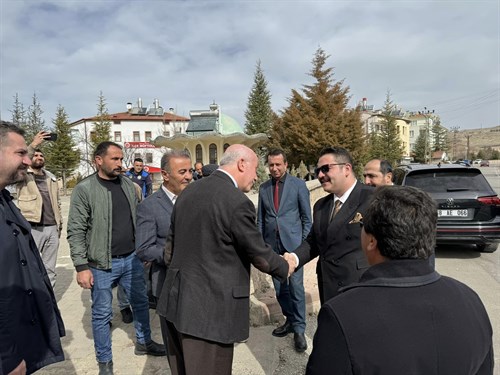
(292, 262)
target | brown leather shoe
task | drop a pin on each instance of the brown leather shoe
(283, 330)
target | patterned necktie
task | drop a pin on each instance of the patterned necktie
(336, 209)
(276, 196)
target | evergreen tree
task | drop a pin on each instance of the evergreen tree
(386, 144)
(259, 113)
(420, 147)
(62, 156)
(34, 121)
(318, 118)
(102, 124)
(440, 136)
(18, 112)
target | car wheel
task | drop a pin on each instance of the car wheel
(487, 248)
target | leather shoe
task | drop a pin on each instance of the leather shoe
(283, 330)
(106, 368)
(300, 342)
(150, 348)
(127, 316)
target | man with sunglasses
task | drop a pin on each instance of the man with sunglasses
(335, 235)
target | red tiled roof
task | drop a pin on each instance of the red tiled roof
(126, 116)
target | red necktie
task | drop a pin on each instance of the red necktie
(276, 196)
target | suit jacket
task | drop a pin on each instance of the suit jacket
(403, 318)
(30, 322)
(153, 223)
(293, 219)
(207, 288)
(338, 243)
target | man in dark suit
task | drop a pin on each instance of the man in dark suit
(335, 233)
(284, 219)
(205, 298)
(153, 218)
(402, 317)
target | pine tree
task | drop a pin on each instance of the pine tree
(420, 147)
(386, 144)
(102, 124)
(440, 136)
(62, 156)
(318, 118)
(259, 113)
(34, 121)
(18, 112)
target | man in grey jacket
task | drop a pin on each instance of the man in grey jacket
(38, 200)
(101, 235)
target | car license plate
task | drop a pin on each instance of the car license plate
(453, 213)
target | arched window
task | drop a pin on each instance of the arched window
(212, 153)
(226, 145)
(199, 156)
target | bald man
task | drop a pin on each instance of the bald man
(205, 297)
(378, 172)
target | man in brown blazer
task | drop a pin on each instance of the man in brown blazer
(335, 235)
(205, 297)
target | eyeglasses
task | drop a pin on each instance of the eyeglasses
(325, 168)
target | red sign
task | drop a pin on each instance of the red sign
(138, 145)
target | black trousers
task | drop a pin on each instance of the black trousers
(189, 355)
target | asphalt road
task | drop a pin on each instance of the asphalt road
(480, 271)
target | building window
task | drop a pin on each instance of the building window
(137, 156)
(137, 137)
(212, 153)
(412, 133)
(198, 152)
(166, 133)
(117, 122)
(147, 136)
(92, 135)
(118, 136)
(398, 129)
(149, 157)
(226, 145)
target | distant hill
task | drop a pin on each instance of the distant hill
(478, 139)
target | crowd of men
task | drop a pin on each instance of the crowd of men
(384, 307)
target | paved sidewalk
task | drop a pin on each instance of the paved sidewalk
(261, 354)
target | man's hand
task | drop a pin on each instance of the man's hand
(292, 262)
(39, 138)
(85, 279)
(20, 369)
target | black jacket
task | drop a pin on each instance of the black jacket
(30, 322)
(403, 318)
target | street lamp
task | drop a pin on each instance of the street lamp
(427, 113)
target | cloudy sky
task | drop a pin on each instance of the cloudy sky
(442, 55)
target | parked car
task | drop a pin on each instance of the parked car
(468, 207)
(477, 161)
(484, 163)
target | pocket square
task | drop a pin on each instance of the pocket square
(357, 218)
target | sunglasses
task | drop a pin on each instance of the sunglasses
(325, 168)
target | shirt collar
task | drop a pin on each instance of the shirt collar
(231, 177)
(170, 195)
(345, 196)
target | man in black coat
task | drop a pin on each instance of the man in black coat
(335, 233)
(205, 298)
(30, 322)
(402, 317)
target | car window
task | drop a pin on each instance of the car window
(440, 181)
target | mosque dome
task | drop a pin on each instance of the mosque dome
(229, 125)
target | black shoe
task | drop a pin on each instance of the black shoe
(127, 316)
(106, 368)
(300, 342)
(151, 348)
(283, 330)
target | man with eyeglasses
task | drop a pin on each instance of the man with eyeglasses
(335, 235)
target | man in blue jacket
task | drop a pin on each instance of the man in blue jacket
(142, 178)
(284, 219)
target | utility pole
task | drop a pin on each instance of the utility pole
(455, 130)
(468, 139)
(427, 113)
